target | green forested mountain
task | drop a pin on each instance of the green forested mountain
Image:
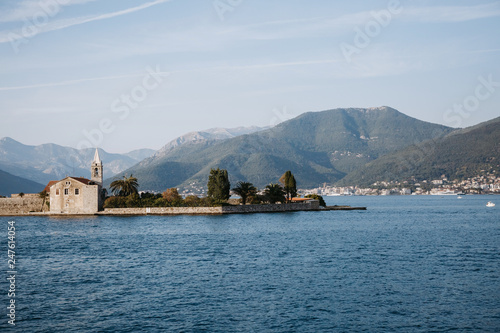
(461, 154)
(10, 184)
(316, 146)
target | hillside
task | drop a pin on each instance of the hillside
(200, 137)
(317, 146)
(461, 154)
(10, 184)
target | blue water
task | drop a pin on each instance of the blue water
(407, 264)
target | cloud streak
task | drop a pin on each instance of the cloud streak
(9, 36)
(70, 82)
(452, 13)
(27, 8)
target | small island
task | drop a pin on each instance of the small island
(81, 196)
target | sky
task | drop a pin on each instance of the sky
(130, 74)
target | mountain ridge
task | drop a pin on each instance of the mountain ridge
(461, 154)
(317, 146)
(49, 161)
(10, 184)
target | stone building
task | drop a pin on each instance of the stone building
(75, 195)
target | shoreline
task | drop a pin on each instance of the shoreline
(311, 206)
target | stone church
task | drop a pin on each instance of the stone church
(74, 195)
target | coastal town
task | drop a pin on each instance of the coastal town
(488, 183)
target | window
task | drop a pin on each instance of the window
(68, 183)
(77, 191)
(57, 191)
(66, 191)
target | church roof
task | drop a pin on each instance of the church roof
(79, 179)
(96, 157)
(47, 188)
(82, 180)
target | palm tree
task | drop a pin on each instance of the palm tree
(274, 193)
(245, 190)
(124, 187)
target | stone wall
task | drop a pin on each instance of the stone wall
(26, 195)
(290, 207)
(21, 206)
(18, 206)
(162, 211)
(310, 205)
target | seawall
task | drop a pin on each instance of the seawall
(312, 205)
(20, 206)
(240, 209)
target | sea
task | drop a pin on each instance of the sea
(406, 264)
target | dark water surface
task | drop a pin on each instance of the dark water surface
(407, 264)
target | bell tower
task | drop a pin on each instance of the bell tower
(96, 169)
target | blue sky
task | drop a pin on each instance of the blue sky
(132, 74)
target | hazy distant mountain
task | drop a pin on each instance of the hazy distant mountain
(47, 162)
(140, 154)
(51, 162)
(213, 134)
(10, 184)
(317, 146)
(461, 154)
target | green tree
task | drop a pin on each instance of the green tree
(21, 194)
(125, 187)
(192, 201)
(172, 196)
(274, 193)
(148, 199)
(160, 202)
(115, 202)
(133, 201)
(318, 197)
(245, 190)
(218, 185)
(289, 185)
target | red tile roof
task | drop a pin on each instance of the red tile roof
(52, 182)
(82, 180)
(301, 199)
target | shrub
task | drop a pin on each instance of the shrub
(322, 202)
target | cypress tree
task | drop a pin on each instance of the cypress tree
(289, 185)
(218, 185)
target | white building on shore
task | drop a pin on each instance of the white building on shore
(75, 195)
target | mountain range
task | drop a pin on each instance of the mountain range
(26, 168)
(213, 134)
(459, 155)
(354, 146)
(47, 162)
(12, 184)
(317, 146)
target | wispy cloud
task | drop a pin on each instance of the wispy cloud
(8, 36)
(70, 82)
(452, 13)
(208, 69)
(27, 8)
(305, 27)
(279, 64)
